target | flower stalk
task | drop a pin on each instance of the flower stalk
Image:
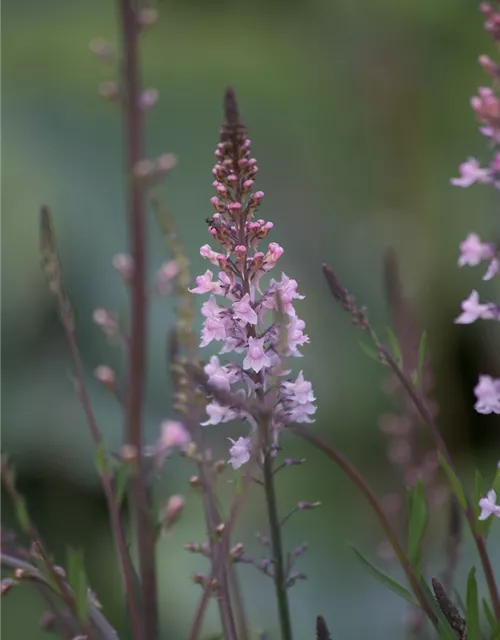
(139, 494)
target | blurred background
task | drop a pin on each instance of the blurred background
(359, 115)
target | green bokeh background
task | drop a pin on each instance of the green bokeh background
(359, 115)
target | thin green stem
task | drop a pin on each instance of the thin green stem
(277, 547)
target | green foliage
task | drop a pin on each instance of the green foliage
(77, 580)
(455, 483)
(386, 580)
(418, 517)
(472, 607)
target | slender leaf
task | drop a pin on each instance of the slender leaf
(369, 351)
(422, 352)
(77, 579)
(490, 616)
(122, 477)
(396, 349)
(472, 614)
(101, 458)
(386, 580)
(417, 522)
(22, 514)
(455, 483)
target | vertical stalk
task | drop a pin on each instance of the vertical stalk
(279, 565)
(140, 500)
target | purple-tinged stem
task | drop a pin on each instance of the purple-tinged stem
(106, 479)
(140, 501)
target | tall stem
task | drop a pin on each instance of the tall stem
(133, 125)
(277, 547)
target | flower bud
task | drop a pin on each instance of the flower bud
(147, 17)
(109, 90)
(148, 99)
(144, 169)
(106, 322)
(173, 510)
(124, 264)
(166, 162)
(106, 376)
(166, 276)
(129, 453)
(101, 49)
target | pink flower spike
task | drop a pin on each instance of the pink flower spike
(487, 392)
(243, 310)
(472, 310)
(471, 172)
(489, 506)
(473, 251)
(240, 452)
(256, 357)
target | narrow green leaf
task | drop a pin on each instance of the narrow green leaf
(396, 349)
(422, 352)
(369, 351)
(455, 483)
(472, 605)
(122, 476)
(386, 580)
(492, 621)
(417, 522)
(77, 579)
(101, 458)
(22, 514)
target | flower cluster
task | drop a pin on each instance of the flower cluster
(238, 311)
(486, 106)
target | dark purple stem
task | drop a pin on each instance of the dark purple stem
(133, 125)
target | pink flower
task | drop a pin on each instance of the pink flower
(489, 506)
(473, 251)
(472, 310)
(215, 326)
(240, 451)
(492, 270)
(218, 376)
(217, 414)
(165, 277)
(274, 253)
(205, 284)
(207, 252)
(487, 392)
(256, 357)
(173, 434)
(295, 336)
(243, 310)
(471, 172)
(298, 400)
(300, 390)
